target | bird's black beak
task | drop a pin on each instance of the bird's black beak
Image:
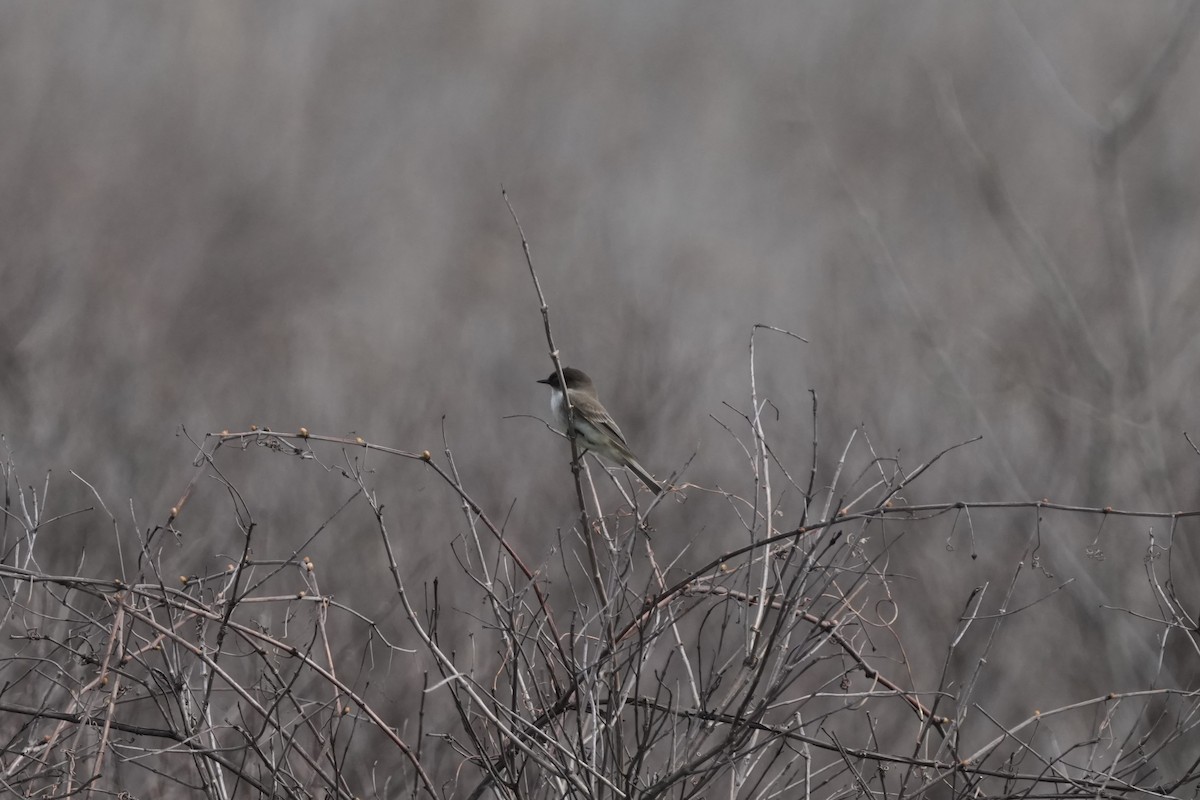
(545, 381)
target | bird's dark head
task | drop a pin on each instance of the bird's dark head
(576, 379)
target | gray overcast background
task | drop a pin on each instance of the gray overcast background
(215, 213)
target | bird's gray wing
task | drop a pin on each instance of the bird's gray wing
(607, 423)
(596, 414)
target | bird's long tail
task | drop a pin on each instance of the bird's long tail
(640, 471)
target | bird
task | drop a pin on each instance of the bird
(594, 427)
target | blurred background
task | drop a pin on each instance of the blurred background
(983, 217)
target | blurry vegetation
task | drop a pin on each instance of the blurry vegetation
(982, 217)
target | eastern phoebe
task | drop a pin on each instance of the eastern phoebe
(594, 428)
